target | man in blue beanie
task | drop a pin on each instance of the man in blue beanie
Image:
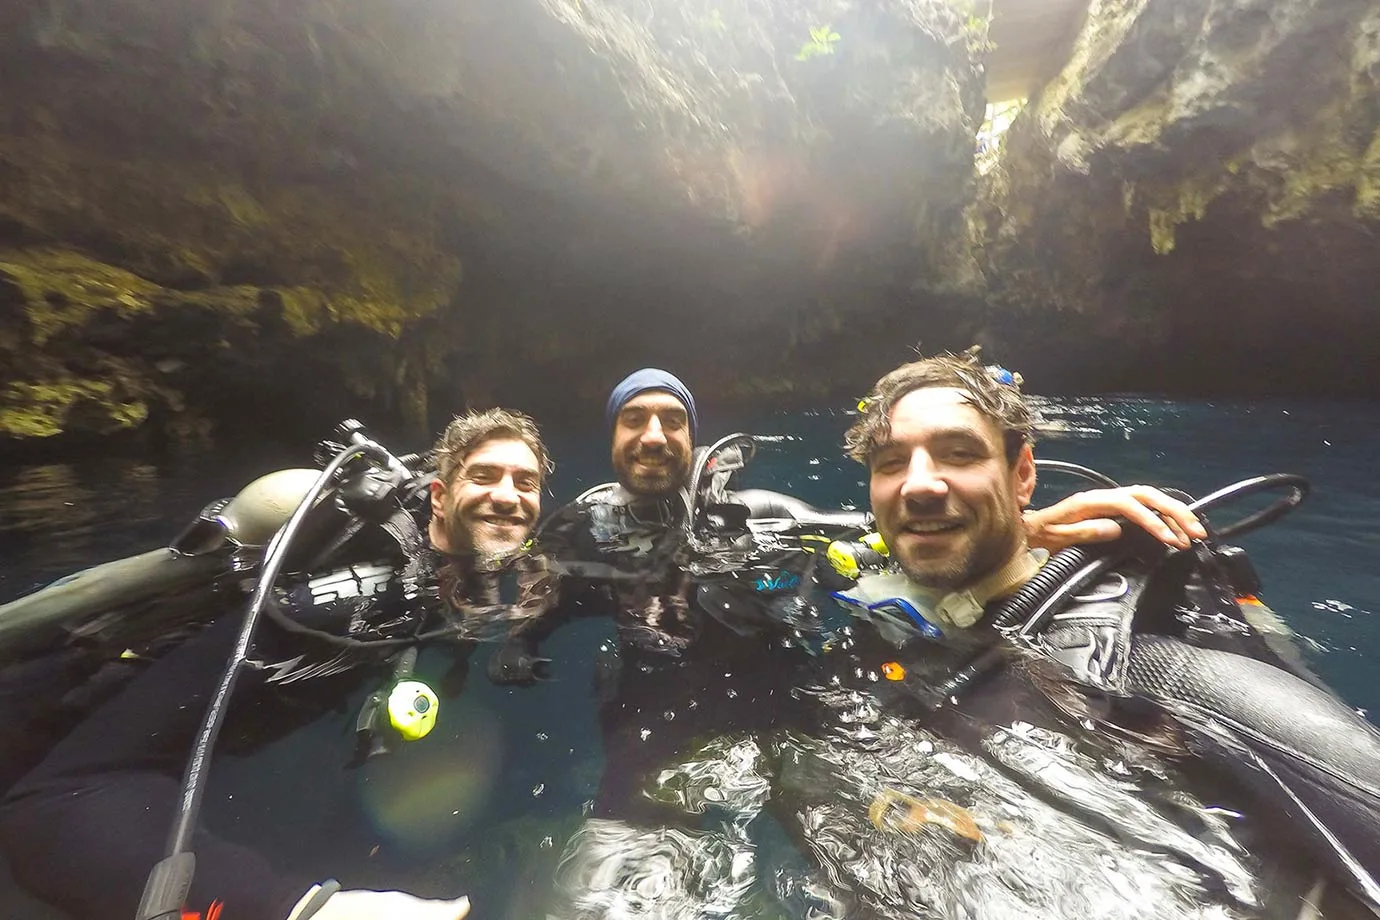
(653, 418)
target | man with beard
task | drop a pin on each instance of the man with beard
(1145, 648)
(680, 672)
(676, 673)
(83, 829)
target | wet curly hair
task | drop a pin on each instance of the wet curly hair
(466, 432)
(1001, 402)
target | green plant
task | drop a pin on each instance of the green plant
(821, 41)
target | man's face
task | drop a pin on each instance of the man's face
(651, 444)
(492, 502)
(946, 501)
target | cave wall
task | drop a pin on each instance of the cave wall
(234, 210)
(1192, 204)
(238, 213)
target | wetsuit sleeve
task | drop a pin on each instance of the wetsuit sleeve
(83, 829)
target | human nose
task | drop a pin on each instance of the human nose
(652, 434)
(504, 492)
(923, 481)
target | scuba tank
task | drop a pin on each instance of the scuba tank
(410, 705)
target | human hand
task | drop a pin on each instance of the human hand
(362, 904)
(1087, 517)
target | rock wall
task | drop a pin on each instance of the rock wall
(239, 211)
(1193, 204)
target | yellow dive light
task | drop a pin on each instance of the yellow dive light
(412, 708)
(849, 558)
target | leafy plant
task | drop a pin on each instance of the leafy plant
(821, 41)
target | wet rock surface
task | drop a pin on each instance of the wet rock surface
(397, 207)
(1191, 205)
(220, 216)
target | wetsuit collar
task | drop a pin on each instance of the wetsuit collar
(964, 608)
(891, 596)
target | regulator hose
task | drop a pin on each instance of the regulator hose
(1068, 570)
(1064, 572)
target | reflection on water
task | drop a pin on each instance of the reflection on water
(612, 869)
(59, 517)
(58, 498)
(900, 822)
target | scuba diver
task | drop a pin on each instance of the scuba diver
(1100, 677)
(690, 660)
(622, 546)
(386, 562)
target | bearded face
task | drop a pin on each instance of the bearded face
(946, 499)
(492, 503)
(651, 444)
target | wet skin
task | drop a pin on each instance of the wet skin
(492, 503)
(947, 501)
(651, 444)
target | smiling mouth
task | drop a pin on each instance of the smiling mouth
(930, 528)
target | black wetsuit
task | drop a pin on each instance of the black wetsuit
(83, 828)
(1106, 716)
(679, 675)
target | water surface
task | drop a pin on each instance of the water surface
(492, 797)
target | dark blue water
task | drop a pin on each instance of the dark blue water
(486, 803)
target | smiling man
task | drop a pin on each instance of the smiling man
(949, 449)
(1127, 644)
(487, 492)
(626, 535)
(653, 433)
(84, 827)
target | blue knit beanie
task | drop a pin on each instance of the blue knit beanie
(650, 378)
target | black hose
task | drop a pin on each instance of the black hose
(170, 880)
(1068, 570)
(1052, 574)
(1298, 490)
(1065, 572)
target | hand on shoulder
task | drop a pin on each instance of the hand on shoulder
(1092, 517)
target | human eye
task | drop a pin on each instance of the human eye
(482, 475)
(527, 482)
(888, 461)
(674, 421)
(964, 452)
(633, 418)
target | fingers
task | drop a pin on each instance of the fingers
(1174, 512)
(1055, 537)
(1134, 509)
(1081, 518)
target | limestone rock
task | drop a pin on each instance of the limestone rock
(1192, 202)
(366, 205)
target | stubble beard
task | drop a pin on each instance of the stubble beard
(982, 554)
(479, 538)
(658, 485)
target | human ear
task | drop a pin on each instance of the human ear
(1023, 475)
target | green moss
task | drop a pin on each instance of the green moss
(42, 409)
(1367, 205)
(63, 289)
